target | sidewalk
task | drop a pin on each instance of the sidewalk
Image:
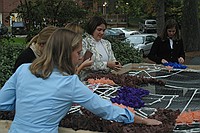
(192, 58)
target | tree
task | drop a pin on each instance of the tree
(141, 8)
(59, 12)
(174, 9)
(39, 13)
(190, 25)
(160, 15)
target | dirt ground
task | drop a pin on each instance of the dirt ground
(191, 58)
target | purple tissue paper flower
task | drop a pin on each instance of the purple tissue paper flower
(131, 97)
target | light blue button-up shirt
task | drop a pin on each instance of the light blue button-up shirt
(40, 104)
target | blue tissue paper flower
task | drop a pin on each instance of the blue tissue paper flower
(175, 65)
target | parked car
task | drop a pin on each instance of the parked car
(141, 42)
(3, 29)
(19, 28)
(114, 33)
(148, 25)
(127, 31)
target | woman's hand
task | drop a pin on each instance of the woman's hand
(146, 121)
(169, 68)
(151, 122)
(87, 63)
(115, 65)
(181, 60)
(164, 61)
(84, 64)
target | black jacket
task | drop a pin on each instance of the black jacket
(161, 50)
(27, 56)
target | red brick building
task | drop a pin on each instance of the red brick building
(6, 7)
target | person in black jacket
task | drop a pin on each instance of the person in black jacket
(168, 47)
(35, 47)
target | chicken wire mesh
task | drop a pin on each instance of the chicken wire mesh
(181, 92)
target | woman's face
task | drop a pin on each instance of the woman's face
(39, 48)
(77, 55)
(171, 32)
(99, 32)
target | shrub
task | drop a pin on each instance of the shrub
(124, 53)
(9, 53)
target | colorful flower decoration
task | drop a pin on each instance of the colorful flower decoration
(131, 97)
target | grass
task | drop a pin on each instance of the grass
(19, 40)
(14, 40)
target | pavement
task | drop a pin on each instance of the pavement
(194, 61)
(192, 58)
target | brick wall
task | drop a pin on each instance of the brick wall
(6, 7)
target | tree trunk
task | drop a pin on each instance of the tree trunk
(160, 8)
(190, 26)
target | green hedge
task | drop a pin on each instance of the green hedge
(124, 53)
(9, 53)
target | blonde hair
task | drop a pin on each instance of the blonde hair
(42, 36)
(57, 53)
(74, 27)
(33, 40)
(45, 33)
